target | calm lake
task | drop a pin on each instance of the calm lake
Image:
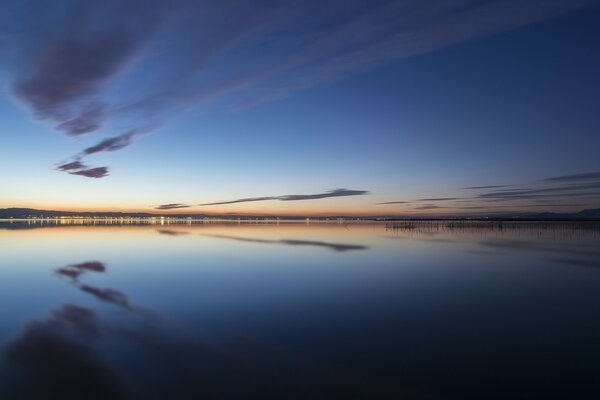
(430, 310)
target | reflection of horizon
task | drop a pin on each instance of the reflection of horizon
(293, 242)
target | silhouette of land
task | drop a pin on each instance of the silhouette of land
(29, 213)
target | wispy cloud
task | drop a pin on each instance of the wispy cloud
(64, 66)
(589, 176)
(74, 165)
(571, 190)
(554, 192)
(116, 143)
(110, 144)
(294, 197)
(99, 172)
(333, 193)
(393, 202)
(427, 207)
(70, 68)
(396, 30)
(242, 200)
(441, 199)
(484, 187)
(171, 206)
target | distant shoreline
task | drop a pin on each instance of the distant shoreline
(29, 214)
(116, 220)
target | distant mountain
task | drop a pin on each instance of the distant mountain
(593, 213)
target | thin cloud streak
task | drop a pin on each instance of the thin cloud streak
(294, 197)
(590, 176)
(427, 207)
(117, 142)
(66, 68)
(484, 187)
(171, 206)
(442, 199)
(75, 165)
(554, 192)
(99, 172)
(110, 144)
(416, 30)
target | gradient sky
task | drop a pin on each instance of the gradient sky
(364, 107)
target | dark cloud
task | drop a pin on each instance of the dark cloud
(117, 142)
(110, 144)
(75, 165)
(243, 200)
(89, 120)
(484, 187)
(394, 202)
(441, 199)
(333, 193)
(427, 207)
(99, 172)
(171, 206)
(295, 197)
(590, 176)
(66, 63)
(78, 168)
(557, 192)
(572, 190)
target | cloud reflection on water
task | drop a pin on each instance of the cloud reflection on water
(293, 242)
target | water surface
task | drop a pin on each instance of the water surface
(432, 310)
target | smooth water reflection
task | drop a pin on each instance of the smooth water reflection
(409, 310)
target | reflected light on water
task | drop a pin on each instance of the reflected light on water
(295, 310)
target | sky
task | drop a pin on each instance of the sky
(357, 107)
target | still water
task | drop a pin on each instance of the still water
(432, 310)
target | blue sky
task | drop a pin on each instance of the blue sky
(189, 103)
